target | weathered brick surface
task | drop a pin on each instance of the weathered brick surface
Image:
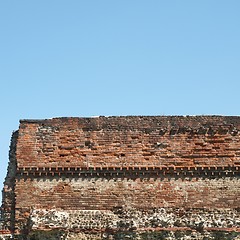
(129, 141)
(125, 175)
(143, 193)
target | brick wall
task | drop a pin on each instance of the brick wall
(143, 193)
(130, 141)
(127, 174)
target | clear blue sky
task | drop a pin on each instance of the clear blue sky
(128, 57)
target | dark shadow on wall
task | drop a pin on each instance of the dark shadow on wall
(8, 192)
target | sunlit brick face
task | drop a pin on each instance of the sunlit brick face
(113, 175)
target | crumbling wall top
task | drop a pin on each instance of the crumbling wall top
(139, 122)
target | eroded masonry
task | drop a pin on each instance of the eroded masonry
(163, 177)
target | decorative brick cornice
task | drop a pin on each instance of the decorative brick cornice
(160, 171)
